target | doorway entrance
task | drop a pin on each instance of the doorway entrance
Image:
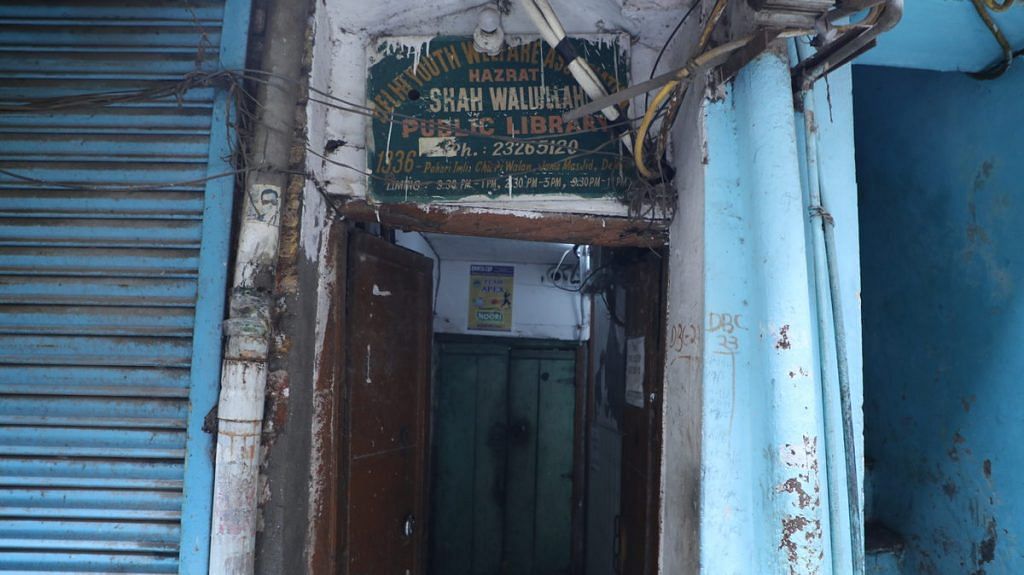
(499, 406)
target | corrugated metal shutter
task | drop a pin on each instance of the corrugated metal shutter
(111, 300)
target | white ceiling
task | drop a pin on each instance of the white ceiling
(468, 248)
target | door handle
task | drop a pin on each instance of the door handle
(409, 526)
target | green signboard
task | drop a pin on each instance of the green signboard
(453, 124)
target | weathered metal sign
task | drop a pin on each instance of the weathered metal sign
(453, 124)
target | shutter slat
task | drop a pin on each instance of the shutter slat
(58, 290)
(156, 533)
(87, 545)
(98, 262)
(95, 351)
(110, 206)
(46, 562)
(100, 233)
(86, 147)
(123, 321)
(123, 120)
(110, 483)
(89, 470)
(143, 412)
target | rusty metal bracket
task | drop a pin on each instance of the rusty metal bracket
(824, 53)
(740, 58)
(817, 66)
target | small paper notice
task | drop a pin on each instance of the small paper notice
(635, 371)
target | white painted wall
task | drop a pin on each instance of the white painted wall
(539, 309)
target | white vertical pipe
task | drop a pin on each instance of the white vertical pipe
(248, 329)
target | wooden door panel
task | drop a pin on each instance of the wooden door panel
(521, 498)
(538, 524)
(641, 426)
(489, 468)
(385, 409)
(469, 461)
(383, 357)
(378, 542)
(453, 477)
(555, 421)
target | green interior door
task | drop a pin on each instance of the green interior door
(503, 437)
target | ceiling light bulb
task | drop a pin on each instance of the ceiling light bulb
(490, 20)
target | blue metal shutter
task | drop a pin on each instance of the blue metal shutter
(111, 300)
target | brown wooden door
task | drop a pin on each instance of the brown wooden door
(641, 419)
(385, 409)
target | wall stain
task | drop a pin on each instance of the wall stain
(802, 529)
(987, 547)
(950, 489)
(783, 342)
(791, 525)
(979, 244)
(793, 485)
(967, 402)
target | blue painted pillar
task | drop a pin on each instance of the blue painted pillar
(745, 487)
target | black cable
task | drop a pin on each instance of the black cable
(586, 280)
(668, 41)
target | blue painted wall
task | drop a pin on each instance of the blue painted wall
(742, 343)
(940, 166)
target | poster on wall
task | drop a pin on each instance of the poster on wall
(490, 297)
(452, 124)
(635, 371)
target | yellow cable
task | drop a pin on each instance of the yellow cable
(702, 59)
(996, 6)
(996, 70)
(645, 125)
(667, 89)
(709, 26)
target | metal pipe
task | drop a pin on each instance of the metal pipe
(248, 328)
(547, 23)
(890, 15)
(829, 296)
(826, 273)
(850, 7)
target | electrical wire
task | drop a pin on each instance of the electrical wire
(668, 89)
(233, 79)
(641, 133)
(682, 75)
(163, 90)
(996, 6)
(585, 281)
(709, 26)
(999, 68)
(119, 188)
(668, 41)
(352, 107)
(680, 78)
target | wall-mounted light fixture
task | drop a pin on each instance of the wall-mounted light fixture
(488, 36)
